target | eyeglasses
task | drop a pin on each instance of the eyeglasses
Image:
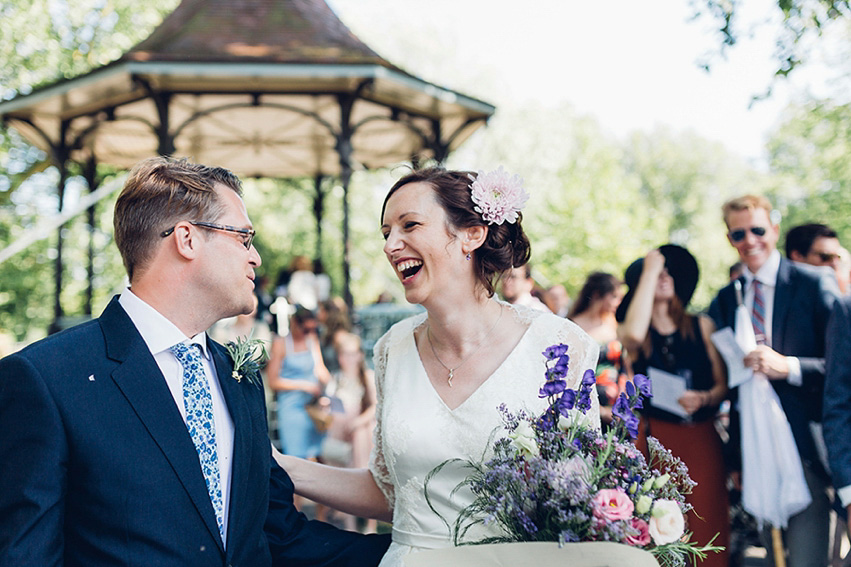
(739, 234)
(246, 234)
(826, 257)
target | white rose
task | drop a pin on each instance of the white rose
(666, 522)
(524, 439)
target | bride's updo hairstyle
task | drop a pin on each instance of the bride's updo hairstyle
(505, 246)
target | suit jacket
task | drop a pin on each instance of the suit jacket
(97, 467)
(837, 394)
(803, 299)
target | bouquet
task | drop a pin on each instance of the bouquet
(555, 477)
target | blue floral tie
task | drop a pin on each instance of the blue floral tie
(199, 420)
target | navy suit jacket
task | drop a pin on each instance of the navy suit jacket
(837, 394)
(803, 299)
(97, 467)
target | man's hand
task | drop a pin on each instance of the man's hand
(769, 362)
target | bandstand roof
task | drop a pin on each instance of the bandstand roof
(267, 88)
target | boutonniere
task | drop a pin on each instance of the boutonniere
(248, 356)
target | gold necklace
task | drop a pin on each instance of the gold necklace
(469, 356)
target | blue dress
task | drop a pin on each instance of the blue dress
(299, 437)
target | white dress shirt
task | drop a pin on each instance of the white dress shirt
(160, 335)
(767, 276)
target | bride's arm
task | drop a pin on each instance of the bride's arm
(352, 491)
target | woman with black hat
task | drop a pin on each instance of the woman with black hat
(660, 335)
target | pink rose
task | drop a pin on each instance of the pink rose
(638, 533)
(612, 504)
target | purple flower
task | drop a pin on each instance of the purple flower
(583, 400)
(555, 351)
(635, 401)
(632, 423)
(547, 421)
(588, 379)
(559, 369)
(644, 385)
(622, 411)
(552, 388)
(566, 402)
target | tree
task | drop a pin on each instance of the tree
(802, 22)
(809, 154)
(43, 41)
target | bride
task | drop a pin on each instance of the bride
(441, 375)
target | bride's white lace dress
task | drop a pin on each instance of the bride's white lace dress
(416, 431)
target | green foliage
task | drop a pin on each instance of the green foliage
(45, 40)
(802, 22)
(810, 153)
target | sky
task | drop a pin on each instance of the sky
(631, 65)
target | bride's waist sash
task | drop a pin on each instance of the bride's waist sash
(419, 539)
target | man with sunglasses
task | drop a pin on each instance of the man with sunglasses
(132, 439)
(817, 245)
(789, 306)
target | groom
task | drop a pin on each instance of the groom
(129, 440)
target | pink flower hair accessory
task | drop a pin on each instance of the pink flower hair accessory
(498, 196)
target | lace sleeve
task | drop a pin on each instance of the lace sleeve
(377, 464)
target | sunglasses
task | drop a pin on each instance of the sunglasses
(739, 234)
(826, 257)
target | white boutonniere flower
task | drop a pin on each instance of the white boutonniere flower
(248, 356)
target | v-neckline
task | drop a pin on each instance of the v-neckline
(424, 373)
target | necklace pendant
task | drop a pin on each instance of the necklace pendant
(449, 380)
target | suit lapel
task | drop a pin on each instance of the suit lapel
(140, 380)
(234, 394)
(782, 300)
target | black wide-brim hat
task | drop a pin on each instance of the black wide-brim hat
(681, 266)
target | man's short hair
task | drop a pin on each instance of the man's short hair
(745, 203)
(160, 192)
(800, 238)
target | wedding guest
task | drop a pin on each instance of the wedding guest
(518, 286)
(837, 400)
(594, 312)
(354, 385)
(129, 439)
(441, 374)
(789, 305)
(736, 270)
(814, 244)
(557, 299)
(297, 373)
(303, 287)
(333, 316)
(660, 334)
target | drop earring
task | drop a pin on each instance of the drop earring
(469, 257)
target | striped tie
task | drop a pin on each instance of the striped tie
(759, 313)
